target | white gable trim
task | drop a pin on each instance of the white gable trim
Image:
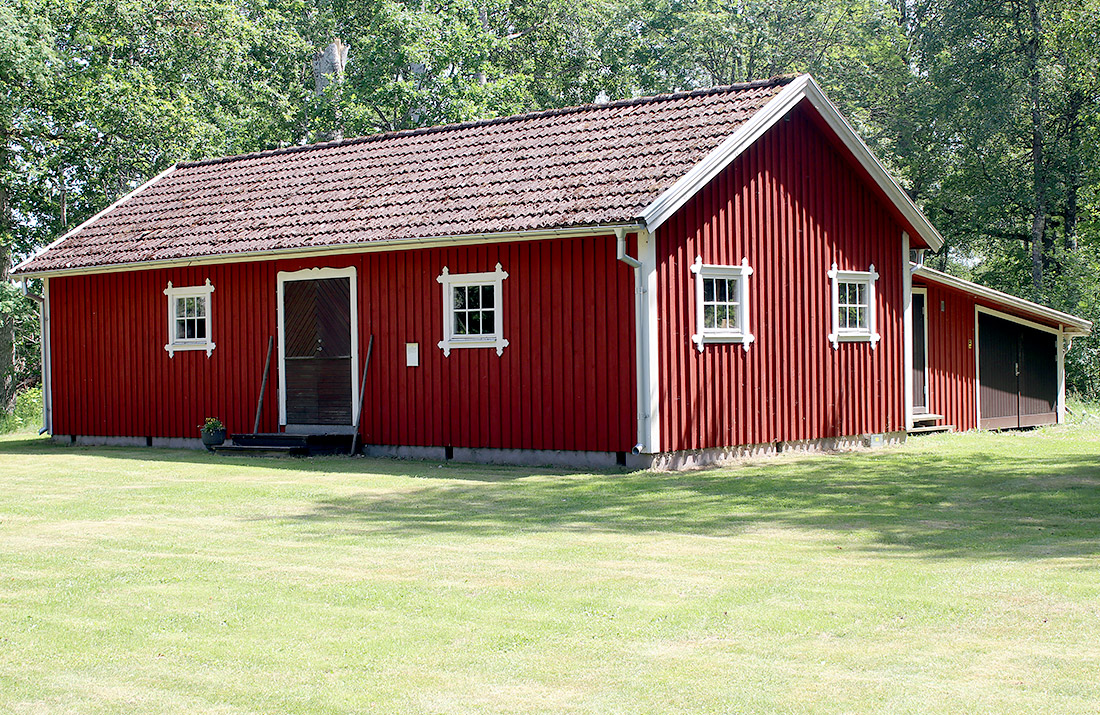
(93, 219)
(801, 88)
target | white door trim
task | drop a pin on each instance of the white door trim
(923, 290)
(318, 274)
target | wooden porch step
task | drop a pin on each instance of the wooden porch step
(929, 429)
(926, 417)
(255, 450)
(284, 443)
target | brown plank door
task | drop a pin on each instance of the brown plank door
(920, 356)
(1017, 374)
(317, 344)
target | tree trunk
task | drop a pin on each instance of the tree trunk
(1038, 170)
(7, 319)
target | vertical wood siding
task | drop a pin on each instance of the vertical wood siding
(792, 205)
(566, 381)
(952, 353)
(951, 356)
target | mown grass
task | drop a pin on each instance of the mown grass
(958, 573)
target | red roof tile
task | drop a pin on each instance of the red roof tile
(580, 166)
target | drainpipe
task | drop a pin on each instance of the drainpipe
(640, 337)
(43, 325)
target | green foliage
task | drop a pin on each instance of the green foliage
(211, 424)
(27, 415)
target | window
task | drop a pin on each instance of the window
(853, 306)
(189, 320)
(472, 310)
(721, 304)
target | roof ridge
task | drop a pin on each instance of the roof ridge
(778, 80)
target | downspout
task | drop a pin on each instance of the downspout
(43, 326)
(640, 353)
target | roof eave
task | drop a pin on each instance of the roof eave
(803, 87)
(1071, 324)
(19, 269)
(362, 247)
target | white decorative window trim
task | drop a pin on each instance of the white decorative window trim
(451, 281)
(703, 334)
(854, 335)
(175, 344)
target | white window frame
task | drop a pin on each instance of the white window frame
(450, 281)
(854, 335)
(175, 344)
(704, 335)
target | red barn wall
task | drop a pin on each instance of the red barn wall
(792, 205)
(951, 355)
(566, 381)
(952, 351)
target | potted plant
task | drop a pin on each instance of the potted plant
(213, 432)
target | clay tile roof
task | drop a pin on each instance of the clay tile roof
(580, 166)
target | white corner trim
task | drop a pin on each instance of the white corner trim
(870, 335)
(448, 280)
(281, 279)
(907, 329)
(803, 87)
(118, 202)
(175, 344)
(741, 272)
(651, 376)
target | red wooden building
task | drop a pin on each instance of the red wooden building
(668, 280)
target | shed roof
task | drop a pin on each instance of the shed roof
(1071, 324)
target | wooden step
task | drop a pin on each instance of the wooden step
(280, 443)
(926, 417)
(930, 429)
(271, 439)
(254, 450)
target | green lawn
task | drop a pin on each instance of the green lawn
(956, 574)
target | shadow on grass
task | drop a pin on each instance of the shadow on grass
(961, 503)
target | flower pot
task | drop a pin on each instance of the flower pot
(213, 438)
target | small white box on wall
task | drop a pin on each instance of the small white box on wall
(412, 354)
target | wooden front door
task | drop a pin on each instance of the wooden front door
(1017, 374)
(920, 356)
(317, 351)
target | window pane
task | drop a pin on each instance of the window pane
(189, 331)
(460, 323)
(473, 297)
(460, 298)
(861, 318)
(474, 323)
(488, 322)
(708, 290)
(708, 317)
(181, 307)
(861, 293)
(734, 313)
(723, 317)
(181, 329)
(200, 328)
(200, 307)
(487, 297)
(731, 289)
(720, 291)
